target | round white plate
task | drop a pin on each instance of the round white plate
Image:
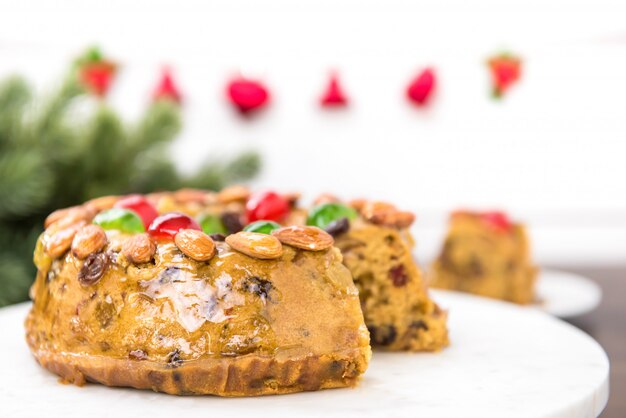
(565, 294)
(504, 361)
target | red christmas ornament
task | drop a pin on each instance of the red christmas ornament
(97, 77)
(166, 89)
(506, 70)
(266, 206)
(95, 72)
(167, 226)
(247, 95)
(138, 204)
(334, 95)
(421, 88)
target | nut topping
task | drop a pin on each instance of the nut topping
(326, 198)
(90, 239)
(256, 245)
(102, 203)
(68, 216)
(139, 248)
(237, 193)
(61, 241)
(190, 195)
(382, 213)
(195, 244)
(305, 237)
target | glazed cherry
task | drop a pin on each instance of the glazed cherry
(498, 220)
(138, 204)
(167, 226)
(268, 206)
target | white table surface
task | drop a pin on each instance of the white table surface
(504, 361)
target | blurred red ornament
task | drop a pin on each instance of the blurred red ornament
(166, 89)
(421, 88)
(97, 76)
(334, 95)
(506, 70)
(247, 95)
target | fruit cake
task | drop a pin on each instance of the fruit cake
(376, 246)
(487, 254)
(130, 293)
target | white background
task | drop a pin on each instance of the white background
(552, 153)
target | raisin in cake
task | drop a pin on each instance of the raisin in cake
(128, 294)
(488, 255)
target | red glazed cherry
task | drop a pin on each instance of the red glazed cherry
(138, 204)
(498, 220)
(267, 206)
(421, 88)
(168, 225)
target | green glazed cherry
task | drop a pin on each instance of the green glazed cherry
(323, 215)
(262, 227)
(212, 224)
(124, 220)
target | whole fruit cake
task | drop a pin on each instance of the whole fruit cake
(131, 293)
(487, 254)
(373, 237)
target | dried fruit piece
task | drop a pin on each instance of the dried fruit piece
(124, 220)
(398, 275)
(305, 237)
(259, 287)
(421, 88)
(139, 248)
(61, 241)
(233, 194)
(338, 227)
(140, 205)
(256, 245)
(212, 224)
(167, 226)
(94, 267)
(195, 244)
(269, 206)
(323, 215)
(262, 227)
(88, 240)
(137, 355)
(232, 222)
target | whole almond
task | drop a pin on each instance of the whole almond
(308, 238)
(88, 240)
(190, 196)
(256, 245)
(68, 216)
(391, 217)
(195, 244)
(60, 241)
(326, 198)
(102, 203)
(139, 248)
(233, 194)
